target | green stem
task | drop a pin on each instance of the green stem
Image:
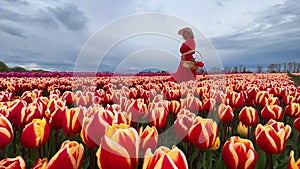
(92, 158)
(269, 163)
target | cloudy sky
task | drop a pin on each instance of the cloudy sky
(65, 35)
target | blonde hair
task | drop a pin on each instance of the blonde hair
(188, 30)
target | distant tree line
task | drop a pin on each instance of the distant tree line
(5, 68)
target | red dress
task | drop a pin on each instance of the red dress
(184, 74)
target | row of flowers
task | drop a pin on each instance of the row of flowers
(127, 124)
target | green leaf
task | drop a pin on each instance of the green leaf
(261, 162)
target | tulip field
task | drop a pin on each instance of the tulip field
(234, 121)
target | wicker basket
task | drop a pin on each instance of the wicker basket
(191, 64)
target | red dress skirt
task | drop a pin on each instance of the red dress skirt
(185, 74)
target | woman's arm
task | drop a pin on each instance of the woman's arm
(190, 52)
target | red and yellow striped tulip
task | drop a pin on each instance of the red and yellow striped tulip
(163, 157)
(297, 124)
(272, 112)
(27, 114)
(40, 164)
(6, 131)
(174, 106)
(225, 113)
(249, 116)
(209, 105)
(239, 153)
(137, 108)
(68, 97)
(56, 117)
(183, 124)
(288, 99)
(203, 133)
(261, 98)
(292, 163)
(148, 138)
(235, 100)
(94, 126)
(15, 107)
(13, 163)
(173, 94)
(293, 110)
(192, 103)
(71, 121)
(272, 101)
(119, 148)
(158, 117)
(70, 155)
(271, 137)
(35, 134)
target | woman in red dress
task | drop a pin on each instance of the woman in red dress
(187, 50)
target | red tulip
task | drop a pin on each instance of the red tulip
(4, 110)
(163, 157)
(137, 108)
(239, 153)
(297, 124)
(40, 164)
(271, 138)
(293, 110)
(119, 148)
(148, 138)
(69, 156)
(249, 116)
(56, 117)
(35, 134)
(203, 133)
(292, 163)
(272, 112)
(225, 113)
(6, 131)
(13, 163)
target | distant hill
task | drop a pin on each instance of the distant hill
(5, 68)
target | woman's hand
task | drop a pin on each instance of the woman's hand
(182, 57)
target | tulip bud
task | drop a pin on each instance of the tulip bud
(27, 114)
(225, 113)
(172, 94)
(288, 99)
(6, 131)
(297, 124)
(292, 163)
(193, 104)
(163, 157)
(272, 112)
(15, 108)
(35, 134)
(261, 98)
(203, 133)
(242, 129)
(148, 138)
(239, 153)
(271, 137)
(69, 156)
(235, 100)
(13, 163)
(209, 105)
(40, 164)
(249, 116)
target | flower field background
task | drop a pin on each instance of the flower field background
(57, 120)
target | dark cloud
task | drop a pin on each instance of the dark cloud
(272, 37)
(70, 16)
(12, 30)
